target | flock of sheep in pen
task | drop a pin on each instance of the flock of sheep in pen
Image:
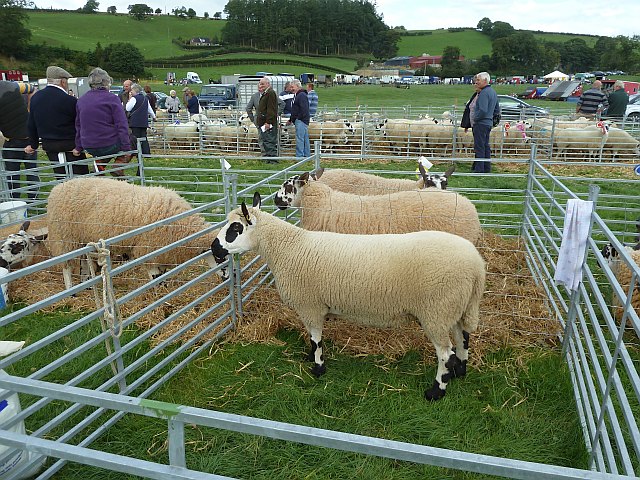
(231, 132)
(370, 250)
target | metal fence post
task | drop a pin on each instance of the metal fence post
(316, 154)
(176, 444)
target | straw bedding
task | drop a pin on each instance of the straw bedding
(513, 311)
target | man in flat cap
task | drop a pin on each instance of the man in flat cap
(52, 119)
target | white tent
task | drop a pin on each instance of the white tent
(556, 75)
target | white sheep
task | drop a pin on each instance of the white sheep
(377, 280)
(84, 210)
(589, 140)
(359, 183)
(330, 134)
(620, 143)
(323, 208)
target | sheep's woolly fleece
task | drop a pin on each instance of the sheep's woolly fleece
(513, 311)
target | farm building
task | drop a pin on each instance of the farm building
(126, 374)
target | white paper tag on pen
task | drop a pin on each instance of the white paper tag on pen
(227, 165)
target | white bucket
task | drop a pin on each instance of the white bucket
(13, 211)
(3, 288)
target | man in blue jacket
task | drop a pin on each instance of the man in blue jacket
(300, 118)
(483, 108)
(52, 120)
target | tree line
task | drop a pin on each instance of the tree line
(520, 52)
(327, 27)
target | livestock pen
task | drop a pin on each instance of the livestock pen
(105, 361)
(429, 131)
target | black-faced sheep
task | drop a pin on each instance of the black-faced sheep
(380, 280)
(359, 183)
(84, 210)
(323, 208)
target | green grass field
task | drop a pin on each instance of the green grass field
(152, 36)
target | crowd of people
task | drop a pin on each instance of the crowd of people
(105, 126)
(68, 128)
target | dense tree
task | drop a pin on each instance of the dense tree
(206, 15)
(158, 11)
(111, 10)
(485, 25)
(140, 11)
(217, 15)
(14, 35)
(451, 66)
(325, 26)
(191, 13)
(180, 12)
(90, 7)
(124, 59)
(501, 30)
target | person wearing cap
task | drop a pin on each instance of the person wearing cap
(101, 124)
(52, 121)
(13, 125)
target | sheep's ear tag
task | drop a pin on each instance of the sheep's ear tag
(245, 213)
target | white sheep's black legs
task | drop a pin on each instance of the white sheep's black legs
(445, 373)
(317, 355)
(461, 339)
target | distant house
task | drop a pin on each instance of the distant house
(200, 42)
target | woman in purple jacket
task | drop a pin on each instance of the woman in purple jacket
(101, 124)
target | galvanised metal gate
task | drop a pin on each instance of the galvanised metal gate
(124, 373)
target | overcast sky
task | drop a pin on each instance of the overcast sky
(593, 17)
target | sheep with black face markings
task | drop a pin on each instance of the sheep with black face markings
(377, 280)
(85, 210)
(323, 208)
(359, 183)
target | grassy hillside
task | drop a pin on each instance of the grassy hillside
(152, 36)
(472, 43)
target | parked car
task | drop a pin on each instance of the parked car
(513, 108)
(632, 113)
(117, 90)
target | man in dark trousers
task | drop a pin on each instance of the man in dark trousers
(13, 125)
(267, 119)
(52, 119)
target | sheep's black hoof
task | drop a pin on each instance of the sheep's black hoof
(460, 368)
(435, 392)
(318, 370)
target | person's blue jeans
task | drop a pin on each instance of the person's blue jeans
(481, 147)
(303, 147)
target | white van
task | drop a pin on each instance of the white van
(193, 77)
